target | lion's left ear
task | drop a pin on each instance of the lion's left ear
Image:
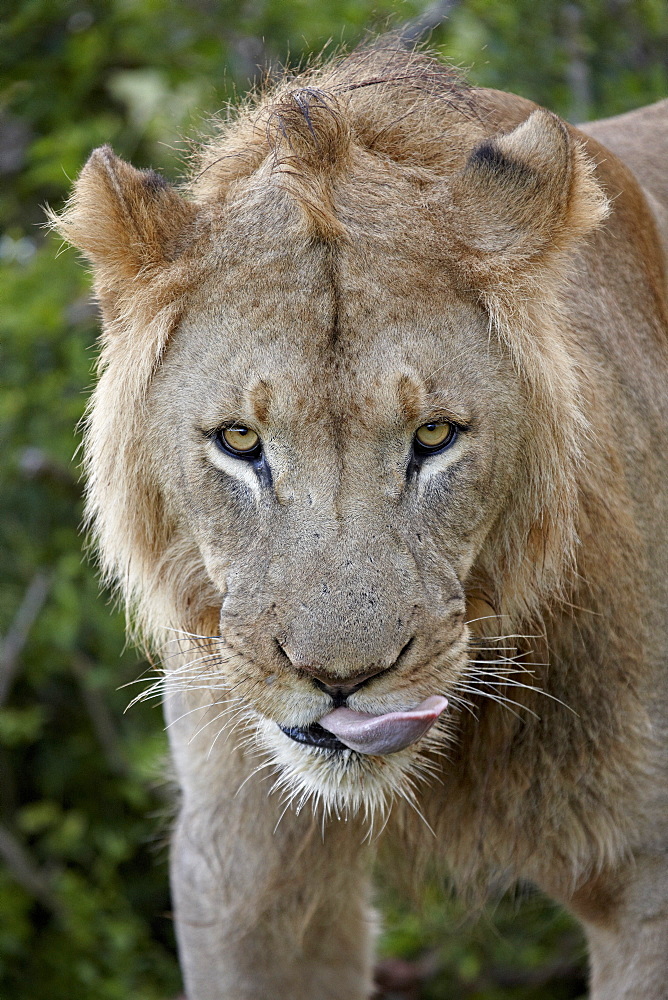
(522, 200)
(128, 223)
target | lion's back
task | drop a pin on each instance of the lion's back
(640, 139)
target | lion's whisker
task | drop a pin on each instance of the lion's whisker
(465, 704)
(499, 699)
(161, 689)
(163, 671)
(256, 770)
(285, 809)
(221, 715)
(185, 632)
(228, 729)
(484, 618)
(191, 711)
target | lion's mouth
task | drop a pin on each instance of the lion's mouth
(345, 729)
(314, 736)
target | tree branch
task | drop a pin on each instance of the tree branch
(14, 642)
(100, 717)
(24, 870)
(415, 30)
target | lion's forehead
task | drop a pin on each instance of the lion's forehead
(312, 340)
(402, 381)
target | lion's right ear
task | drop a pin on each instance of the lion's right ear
(128, 223)
(522, 205)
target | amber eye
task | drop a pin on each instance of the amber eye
(240, 440)
(434, 436)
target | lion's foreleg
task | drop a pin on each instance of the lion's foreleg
(626, 920)
(265, 908)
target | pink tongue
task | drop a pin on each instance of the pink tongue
(381, 734)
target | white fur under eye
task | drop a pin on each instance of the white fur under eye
(232, 466)
(433, 465)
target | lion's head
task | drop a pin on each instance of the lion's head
(336, 436)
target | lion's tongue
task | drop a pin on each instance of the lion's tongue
(381, 734)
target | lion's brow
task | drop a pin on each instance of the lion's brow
(260, 398)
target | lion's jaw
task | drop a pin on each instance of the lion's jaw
(341, 783)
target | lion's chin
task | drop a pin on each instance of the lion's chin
(342, 783)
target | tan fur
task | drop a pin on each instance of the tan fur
(367, 248)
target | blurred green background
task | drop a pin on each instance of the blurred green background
(84, 909)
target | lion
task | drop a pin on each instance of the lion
(351, 463)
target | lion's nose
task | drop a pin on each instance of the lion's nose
(337, 689)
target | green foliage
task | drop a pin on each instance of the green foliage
(520, 949)
(83, 898)
(584, 60)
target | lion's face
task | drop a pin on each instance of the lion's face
(339, 544)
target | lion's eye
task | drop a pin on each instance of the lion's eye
(240, 440)
(434, 437)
